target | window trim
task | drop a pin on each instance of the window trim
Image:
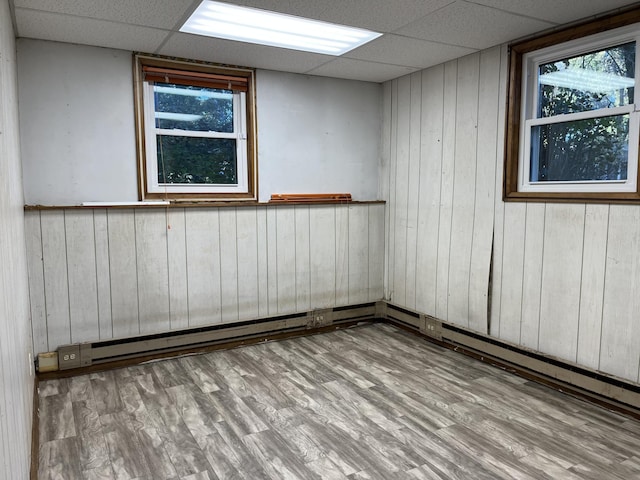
(514, 113)
(247, 166)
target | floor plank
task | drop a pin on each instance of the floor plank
(371, 402)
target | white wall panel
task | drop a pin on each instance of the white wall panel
(285, 259)
(247, 258)
(358, 254)
(532, 275)
(594, 257)
(303, 258)
(228, 265)
(464, 189)
(203, 266)
(16, 376)
(103, 277)
(561, 276)
(81, 270)
(564, 277)
(431, 122)
(212, 265)
(153, 270)
(619, 346)
(123, 274)
(489, 96)
(447, 180)
(177, 269)
(376, 251)
(56, 284)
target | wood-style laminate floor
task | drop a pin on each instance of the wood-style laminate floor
(370, 402)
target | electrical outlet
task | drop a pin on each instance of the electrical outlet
(320, 318)
(431, 327)
(69, 356)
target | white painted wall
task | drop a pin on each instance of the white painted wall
(109, 273)
(76, 112)
(566, 277)
(16, 380)
(318, 134)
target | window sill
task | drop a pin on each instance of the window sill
(573, 197)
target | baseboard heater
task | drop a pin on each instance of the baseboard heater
(87, 354)
(609, 391)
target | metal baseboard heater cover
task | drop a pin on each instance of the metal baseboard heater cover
(596, 385)
(86, 354)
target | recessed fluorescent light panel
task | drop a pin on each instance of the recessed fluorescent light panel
(243, 24)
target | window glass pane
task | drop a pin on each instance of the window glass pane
(193, 108)
(601, 79)
(584, 150)
(194, 160)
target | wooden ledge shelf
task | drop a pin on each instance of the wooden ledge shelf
(232, 204)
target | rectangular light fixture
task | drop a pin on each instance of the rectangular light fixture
(244, 24)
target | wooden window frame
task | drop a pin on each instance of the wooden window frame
(515, 92)
(204, 74)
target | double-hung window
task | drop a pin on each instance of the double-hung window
(195, 126)
(573, 125)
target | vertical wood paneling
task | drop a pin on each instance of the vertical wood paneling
(272, 261)
(203, 266)
(413, 187)
(499, 205)
(385, 173)
(153, 270)
(323, 256)
(16, 376)
(391, 198)
(532, 275)
(400, 205)
(487, 147)
(286, 259)
(228, 265)
(81, 268)
(35, 269)
(103, 273)
(177, 264)
(358, 254)
(446, 188)
(56, 283)
(512, 278)
(376, 233)
(263, 267)
(619, 347)
(248, 291)
(123, 273)
(592, 292)
(561, 275)
(342, 255)
(464, 189)
(303, 272)
(430, 177)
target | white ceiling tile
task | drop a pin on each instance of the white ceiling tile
(378, 15)
(361, 70)
(471, 25)
(86, 31)
(557, 11)
(407, 51)
(151, 13)
(243, 54)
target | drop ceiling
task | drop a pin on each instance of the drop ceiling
(417, 33)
